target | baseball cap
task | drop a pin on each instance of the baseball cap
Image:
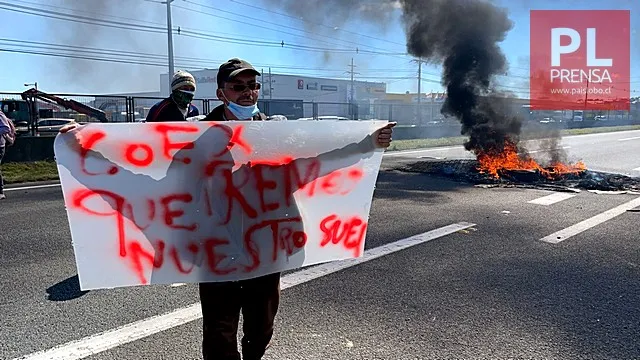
(233, 67)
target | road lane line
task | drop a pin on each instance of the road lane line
(631, 138)
(566, 233)
(551, 199)
(636, 169)
(397, 153)
(31, 187)
(547, 150)
(106, 340)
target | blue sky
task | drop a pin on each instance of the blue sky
(213, 31)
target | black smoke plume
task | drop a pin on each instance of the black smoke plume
(461, 35)
(79, 29)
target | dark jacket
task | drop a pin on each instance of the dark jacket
(167, 110)
(217, 114)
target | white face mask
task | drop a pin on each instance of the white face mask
(240, 111)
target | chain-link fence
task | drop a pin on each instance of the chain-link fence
(52, 111)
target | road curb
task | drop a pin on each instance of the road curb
(33, 183)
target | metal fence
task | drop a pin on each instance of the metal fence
(135, 109)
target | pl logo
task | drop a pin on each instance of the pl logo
(596, 69)
(580, 59)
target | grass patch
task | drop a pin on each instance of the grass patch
(425, 143)
(47, 170)
(29, 171)
(596, 130)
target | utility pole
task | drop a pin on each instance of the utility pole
(262, 80)
(352, 73)
(170, 41)
(270, 87)
(586, 94)
(419, 91)
(419, 109)
(352, 106)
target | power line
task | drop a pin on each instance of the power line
(130, 59)
(158, 60)
(96, 13)
(315, 23)
(159, 25)
(79, 19)
(195, 34)
(262, 21)
(160, 30)
(202, 62)
(81, 57)
(128, 26)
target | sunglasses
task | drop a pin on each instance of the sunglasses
(243, 87)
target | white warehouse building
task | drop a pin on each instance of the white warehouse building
(294, 95)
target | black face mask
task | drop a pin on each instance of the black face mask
(182, 98)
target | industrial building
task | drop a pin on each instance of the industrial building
(294, 95)
(298, 96)
(290, 87)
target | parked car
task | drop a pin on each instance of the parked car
(51, 127)
(326, 117)
(277, 118)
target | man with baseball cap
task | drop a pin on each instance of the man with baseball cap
(257, 298)
(176, 107)
(238, 90)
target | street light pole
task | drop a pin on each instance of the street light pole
(420, 91)
(170, 41)
(419, 107)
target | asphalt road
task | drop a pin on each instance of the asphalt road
(609, 152)
(492, 291)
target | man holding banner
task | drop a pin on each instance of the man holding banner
(257, 296)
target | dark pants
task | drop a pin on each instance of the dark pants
(257, 298)
(1, 179)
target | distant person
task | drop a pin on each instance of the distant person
(7, 138)
(178, 106)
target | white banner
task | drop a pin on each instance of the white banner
(161, 203)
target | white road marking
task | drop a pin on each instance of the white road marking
(177, 284)
(631, 138)
(97, 343)
(636, 169)
(31, 187)
(546, 150)
(551, 199)
(564, 234)
(398, 153)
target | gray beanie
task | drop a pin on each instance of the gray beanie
(182, 78)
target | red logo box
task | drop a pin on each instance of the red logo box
(580, 59)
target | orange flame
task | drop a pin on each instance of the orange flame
(492, 162)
